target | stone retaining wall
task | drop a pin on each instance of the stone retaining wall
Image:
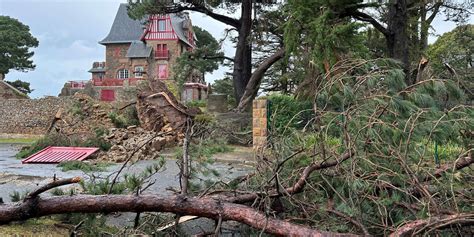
(20, 116)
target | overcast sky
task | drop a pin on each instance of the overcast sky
(68, 32)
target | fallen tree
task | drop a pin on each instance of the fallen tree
(34, 206)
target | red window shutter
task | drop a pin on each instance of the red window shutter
(107, 95)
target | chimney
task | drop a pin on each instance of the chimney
(2, 76)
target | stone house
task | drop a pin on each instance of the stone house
(142, 50)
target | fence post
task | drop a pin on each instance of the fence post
(260, 123)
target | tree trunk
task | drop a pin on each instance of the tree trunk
(182, 205)
(254, 83)
(424, 26)
(243, 52)
(397, 40)
(184, 177)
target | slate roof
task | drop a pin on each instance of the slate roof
(100, 69)
(126, 30)
(138, 50)
(177, 22)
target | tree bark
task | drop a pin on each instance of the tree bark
(254, 83)
(243, 52)
(426, 22)
(397, 40)
(182, 205)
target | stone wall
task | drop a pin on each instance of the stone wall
(19, 116)
(217, 103)
(115, 59)
(175, 49)
(259, 123)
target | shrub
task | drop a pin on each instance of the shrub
(128, 117)
(99, 142)
(79, 165)
(204, 118)
(196, 103)
(17, 196)
(287, 111)
(118, 120)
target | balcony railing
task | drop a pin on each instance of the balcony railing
(115, 81)
(78, 84)
(162, 54)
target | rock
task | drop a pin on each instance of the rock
(125, 136)
(111, 136)
(158, 143)
(132, 127)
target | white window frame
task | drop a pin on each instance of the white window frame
(123, 74)
(161, 24)
(139, 71)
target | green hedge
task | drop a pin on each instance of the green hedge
(287, 111)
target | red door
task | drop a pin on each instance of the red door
(107, 95)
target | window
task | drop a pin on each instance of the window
(161, 51)
(161, 25)
(162, 71)
(139, 71)
(122, 74)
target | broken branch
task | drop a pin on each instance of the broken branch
(52, 185)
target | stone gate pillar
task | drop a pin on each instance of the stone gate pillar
(259, 123)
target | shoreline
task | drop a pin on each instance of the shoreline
(18, 138)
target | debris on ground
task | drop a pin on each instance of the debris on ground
(137, 142)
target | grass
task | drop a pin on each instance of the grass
(18, 140)
(34, 227)
(85, 167)
(206, 149)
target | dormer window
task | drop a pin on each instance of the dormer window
(161, 25)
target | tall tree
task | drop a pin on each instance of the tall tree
(406, 23)
(16, 42)
(204, 59)
(452, 56)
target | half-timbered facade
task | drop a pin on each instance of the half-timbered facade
(144, 50)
